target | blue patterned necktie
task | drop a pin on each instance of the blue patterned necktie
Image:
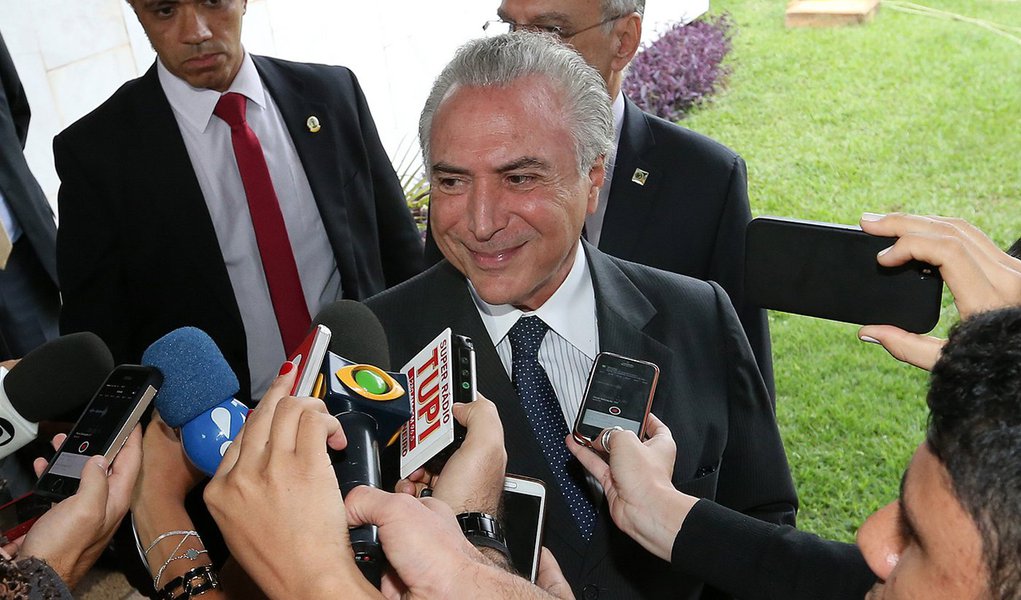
(539, 402)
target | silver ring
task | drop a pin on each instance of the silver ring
(605, 439)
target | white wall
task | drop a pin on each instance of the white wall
(72, 54)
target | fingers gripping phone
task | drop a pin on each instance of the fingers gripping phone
(830, 271)
(102, 429)
(524, 515)
(619, 394)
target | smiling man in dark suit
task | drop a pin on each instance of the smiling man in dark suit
(232, 192)
(673, 199)
(514, 134)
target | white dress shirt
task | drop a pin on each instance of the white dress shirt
(207, 139)
(7, 220)
(594, 222)
(569, 349)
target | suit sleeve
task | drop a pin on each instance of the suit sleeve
(400, 242)
(753, 560)
(727, 267)
(17, 101)
(754, 477)
(87, 248)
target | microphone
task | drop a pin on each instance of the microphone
(371, 405)
(50, 382)
(197, 395)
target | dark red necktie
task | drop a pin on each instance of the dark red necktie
(270, 233)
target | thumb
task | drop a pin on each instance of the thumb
(94, 487)
(921, 351)
(366, 505)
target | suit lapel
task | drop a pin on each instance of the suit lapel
(622, 313)
(318, 150)
(630, 204)
(178, 211)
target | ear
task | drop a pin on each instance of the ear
(627, 36)
(597, 177)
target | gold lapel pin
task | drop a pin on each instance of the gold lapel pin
(313, 124)
(640, 177)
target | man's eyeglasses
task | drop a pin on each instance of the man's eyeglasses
(499, 26)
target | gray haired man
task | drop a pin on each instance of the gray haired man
(515, 135)
(672, 199)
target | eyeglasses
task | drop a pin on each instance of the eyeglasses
(499, 26)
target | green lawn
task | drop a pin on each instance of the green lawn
(908, 113)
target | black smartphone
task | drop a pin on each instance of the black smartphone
(18, 515)
(102, 429)
(619, 394)
(463, 357)
(523, 517)
(830, 271)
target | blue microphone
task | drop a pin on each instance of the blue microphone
(197, 395)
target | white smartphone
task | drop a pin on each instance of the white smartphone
(310, 356)
(524, 515)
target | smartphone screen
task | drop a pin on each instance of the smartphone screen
(102, 429)
(619, 394)
(524, 514)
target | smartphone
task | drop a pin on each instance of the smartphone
(102, 429)
(18, 515)
(462, 352)
(830, 271)
(524, 516)
(619, 394)
(309, 357)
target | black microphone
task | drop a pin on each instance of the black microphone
(370, 404)
(51, 382)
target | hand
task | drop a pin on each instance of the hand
(277, 501)
(550, 578)
(979, 275)
(430, 555)
(472, 479)
(637, 484)
(167, 475)
(71, 536)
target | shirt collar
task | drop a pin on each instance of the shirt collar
(618, 115)
(570, 311)
(195, 105)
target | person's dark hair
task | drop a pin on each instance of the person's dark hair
(975, 431)
(1015, 249)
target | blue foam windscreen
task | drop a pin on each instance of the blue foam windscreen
(196, 377)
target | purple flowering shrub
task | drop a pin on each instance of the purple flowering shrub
(682, 68)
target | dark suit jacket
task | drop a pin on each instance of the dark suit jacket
(688, 218)
(761, 561)
(20, 188)
(710, 395)
(137, 252)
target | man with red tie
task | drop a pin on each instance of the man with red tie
(227, 191)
